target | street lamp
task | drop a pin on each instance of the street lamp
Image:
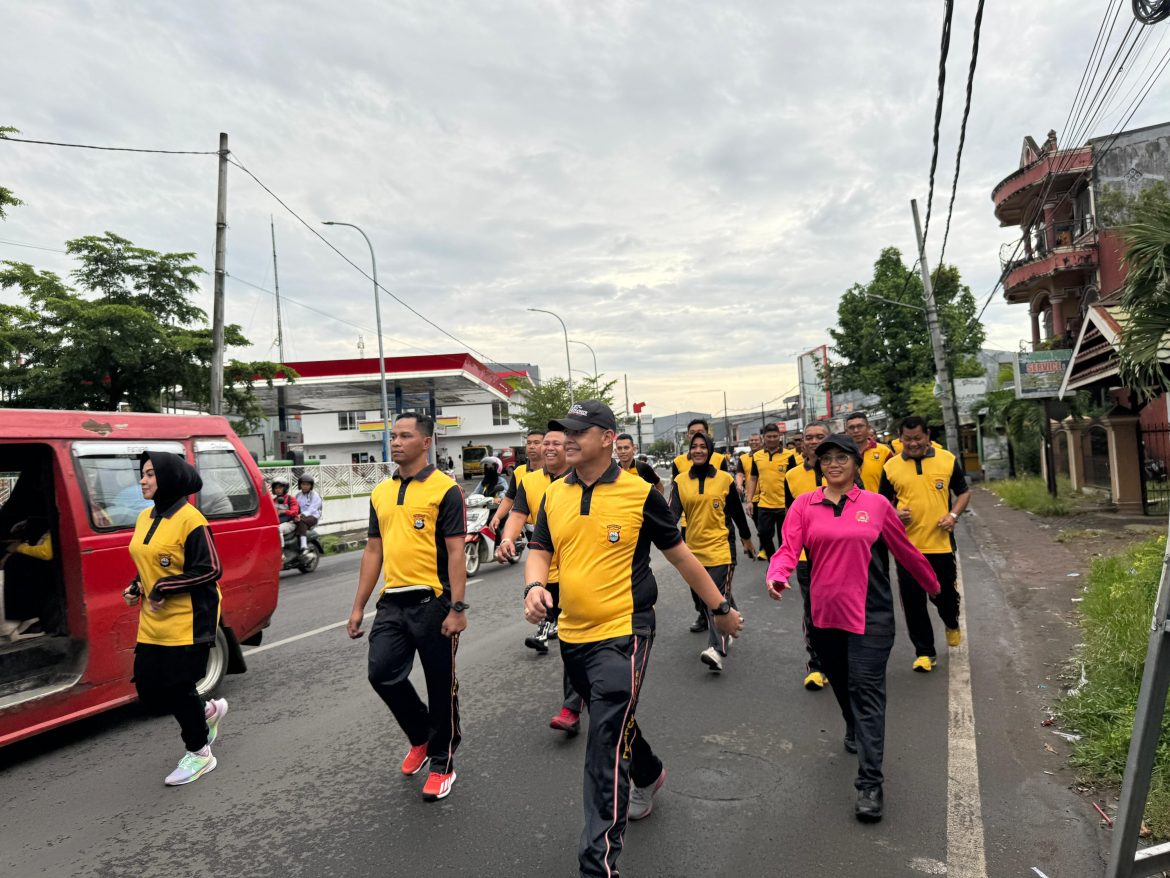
(381, 353)
(596, 374)
(568, 361)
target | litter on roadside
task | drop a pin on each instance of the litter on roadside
(1074, 574)
(1068, 736)
(1108, 820)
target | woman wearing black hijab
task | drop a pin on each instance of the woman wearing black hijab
(178, 589)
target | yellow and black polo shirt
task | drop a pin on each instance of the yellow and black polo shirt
(707, 497)
(925, 486)
(745, 467)
(176, 559)
(601, 536)
(414, 517)
(528, 497)
(873, 461)
(801, 479)
(768, 469)
(642, 470)
(518, 475)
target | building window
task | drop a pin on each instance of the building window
(349, 420)
(499, 414)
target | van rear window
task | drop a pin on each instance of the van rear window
(227, 489)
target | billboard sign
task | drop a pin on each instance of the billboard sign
(1039, 374)
(815, 402)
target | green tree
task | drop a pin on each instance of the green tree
(549, 400)
(884, 348)
(1145, 347)
(7, 196)
(126, 335)
(661, 448)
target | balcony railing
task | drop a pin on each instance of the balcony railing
(1035, 245)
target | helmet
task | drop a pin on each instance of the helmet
(494, 461)
(282, 481)
(306, 478)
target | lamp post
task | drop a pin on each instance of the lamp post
(568, 361)
(381, 353)
(596, 374)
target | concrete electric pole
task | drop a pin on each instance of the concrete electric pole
(220, 273)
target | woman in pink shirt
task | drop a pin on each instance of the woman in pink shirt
(846, 532)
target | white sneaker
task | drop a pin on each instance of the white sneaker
(213, 721)
(191, 767)
(642, 798)
(711, 658)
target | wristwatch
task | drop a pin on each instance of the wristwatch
(459, 606)
(722, 610)
(954, 516)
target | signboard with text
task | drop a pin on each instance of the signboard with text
(1039, 374)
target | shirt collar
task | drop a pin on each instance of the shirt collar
(170, 510)
(819, 495)
(421, 476)
(929, 453)
(706, 471)
(610, 475)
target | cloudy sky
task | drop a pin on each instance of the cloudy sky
(690, 185)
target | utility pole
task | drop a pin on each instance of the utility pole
(276, 288)
(220, 274)
(626, 379)
(942, 371)
(726, 424)
(763, 424)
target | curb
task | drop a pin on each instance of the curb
(347, 546)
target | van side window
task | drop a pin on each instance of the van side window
(227, 489)
(110, 474)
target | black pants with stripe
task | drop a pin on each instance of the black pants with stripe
(608, 675)
(402, 627)
(721, 576)
(856, 666)
(165, 677)
(914, 601)
(769, 525)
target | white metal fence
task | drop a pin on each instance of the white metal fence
(334, 480)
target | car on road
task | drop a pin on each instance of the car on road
(69, 499)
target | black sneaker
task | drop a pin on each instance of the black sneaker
(700, 623)
(869, 805)
(539, 640)
(850, 742)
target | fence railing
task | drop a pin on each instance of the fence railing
(334, 480)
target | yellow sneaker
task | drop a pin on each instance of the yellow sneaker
(815, 681)
(761, 555)
(954, 636)
(924, 664)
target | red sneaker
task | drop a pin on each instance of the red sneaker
(438, 786)
(415, 760)
(566, 721)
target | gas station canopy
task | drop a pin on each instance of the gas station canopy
(411, 382)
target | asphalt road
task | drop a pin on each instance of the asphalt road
(308, 780)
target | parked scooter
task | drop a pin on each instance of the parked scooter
(292, 558)
(480, 543)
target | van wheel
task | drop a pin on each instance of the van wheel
(471, 554)
(217, 662)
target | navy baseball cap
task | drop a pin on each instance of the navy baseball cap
(586, 414)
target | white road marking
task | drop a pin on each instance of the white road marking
(965, 851)
(315, 631)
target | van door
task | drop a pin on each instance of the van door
(109, 473)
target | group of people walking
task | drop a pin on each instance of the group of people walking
(829, 511)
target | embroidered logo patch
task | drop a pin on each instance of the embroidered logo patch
(615, 532)
(938, 484)
(862, 516)
(877, 455)
(420, 521)
(716, 504)
(164, 560)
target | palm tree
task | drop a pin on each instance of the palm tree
(1145, 341)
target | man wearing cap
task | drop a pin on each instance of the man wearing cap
(600, 523)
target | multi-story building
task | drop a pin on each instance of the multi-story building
(1068, 267)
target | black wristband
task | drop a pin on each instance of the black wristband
(531, 586)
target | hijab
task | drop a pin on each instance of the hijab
(176, 479)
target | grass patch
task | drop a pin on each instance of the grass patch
(1030, 493)
(1115, 619)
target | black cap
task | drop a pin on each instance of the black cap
(839, 441)
(586, 414)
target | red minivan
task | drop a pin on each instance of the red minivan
(69, 481)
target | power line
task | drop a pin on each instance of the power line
(944, 49)
(32, 246)
(962, 129)
(234, 159)
(110, 148)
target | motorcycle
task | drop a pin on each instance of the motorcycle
(292, 559)
(479, 544)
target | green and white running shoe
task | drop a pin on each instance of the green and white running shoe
(213, 721)
(191, 767)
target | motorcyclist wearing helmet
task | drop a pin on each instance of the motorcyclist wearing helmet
(311, 505)
(287, 508)
(492, 484)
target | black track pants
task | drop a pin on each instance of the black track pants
(165, 677)
(769, 525)
(914, 601)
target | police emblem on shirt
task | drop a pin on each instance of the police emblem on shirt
(876, 455)
(164, 560)
(862, 516)
(938, 484)
(716, 504)
(615, 532)
(420, 521)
